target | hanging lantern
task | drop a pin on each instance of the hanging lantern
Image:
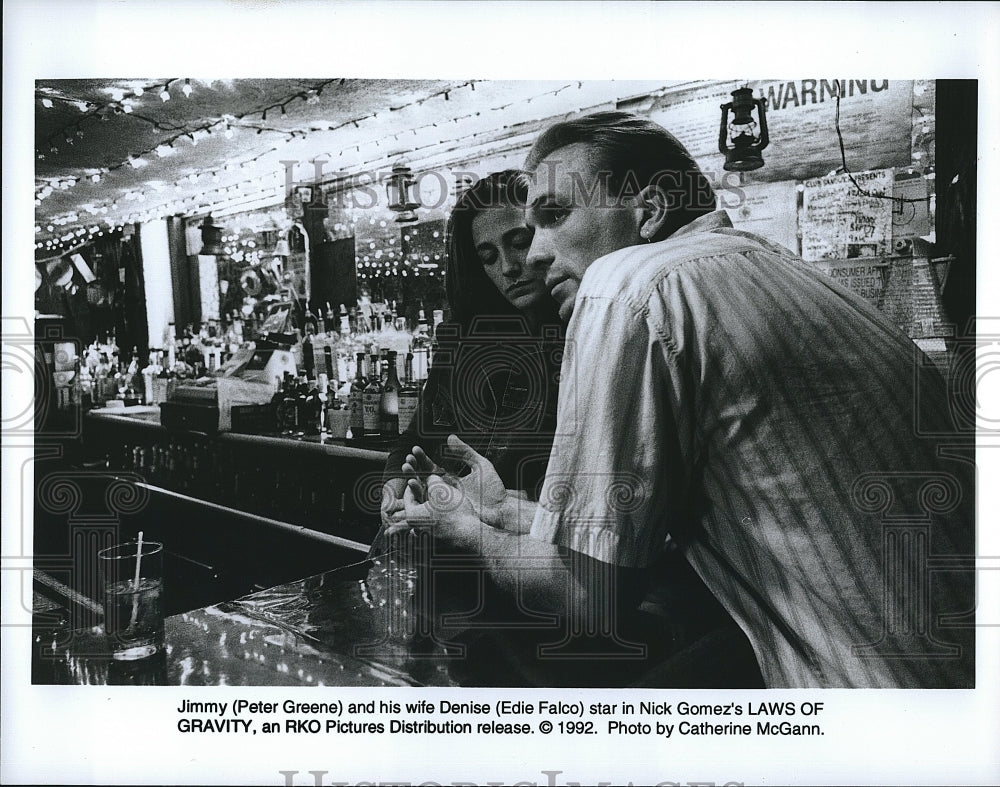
(211, 238)
(398, 192)
(741, 139)
(281, 248)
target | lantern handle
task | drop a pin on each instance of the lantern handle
(762, 115)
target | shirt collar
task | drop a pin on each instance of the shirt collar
(709, 222)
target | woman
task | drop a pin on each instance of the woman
(493, 381)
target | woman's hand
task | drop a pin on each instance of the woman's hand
(445, 509)
(392, 499)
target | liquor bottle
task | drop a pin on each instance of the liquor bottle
(309, 321)
(331, 367)
(409, 395)
(117, 376)
(372, 396)
(421, 348)
(337, 416)
(345, 321)
(276, 400)
(308, 356)
(330, 317)
(288, 413)
(149, 372)
(388, 406)
(171, 345)
(357, 398)
(311, 419)
(320, 322)
(323, 396)
(105, 380)
(384, 365)
(301, 406)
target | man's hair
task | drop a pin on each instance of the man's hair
(633, 152)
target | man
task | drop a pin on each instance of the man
(718, 391)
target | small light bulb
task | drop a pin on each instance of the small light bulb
(187, 88)
(47, 103)
(164, 95)
(138, 90)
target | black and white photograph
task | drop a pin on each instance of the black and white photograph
(384, 413)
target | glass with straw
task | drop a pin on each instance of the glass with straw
(133, 587)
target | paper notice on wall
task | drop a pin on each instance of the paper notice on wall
(911, 207)
(867, 279)
(839, 222)
(765, 209)
(875, 120)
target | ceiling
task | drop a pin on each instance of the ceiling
(113, 151)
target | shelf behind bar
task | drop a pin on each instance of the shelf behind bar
(300, 530)
(151, 420)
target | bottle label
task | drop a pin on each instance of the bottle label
(357, 413)
(407, 408)
(371, 401)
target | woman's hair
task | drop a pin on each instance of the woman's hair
(471, 294)
(632, 152)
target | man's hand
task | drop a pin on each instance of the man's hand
(482, 486)
(444, 508)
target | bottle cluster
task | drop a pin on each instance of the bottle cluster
(359, 371)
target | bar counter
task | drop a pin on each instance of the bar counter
(268, 580)
(316, 487)
(345, 627)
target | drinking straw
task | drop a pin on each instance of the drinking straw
(135, 582)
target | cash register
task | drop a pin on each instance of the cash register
(246, 380)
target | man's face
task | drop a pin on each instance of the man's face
(576, 220)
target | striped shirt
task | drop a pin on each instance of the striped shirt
(718, 391)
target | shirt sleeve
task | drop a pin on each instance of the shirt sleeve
(615, 472)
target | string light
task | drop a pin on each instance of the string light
(47, 103)
(194, 137)
(186, 90)
(164, 94)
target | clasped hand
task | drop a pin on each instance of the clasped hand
(455, 506)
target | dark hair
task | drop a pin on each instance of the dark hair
(470, 292)
(634, 152)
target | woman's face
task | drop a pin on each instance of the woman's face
(502, 240)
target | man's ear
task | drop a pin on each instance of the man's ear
(654, 203)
